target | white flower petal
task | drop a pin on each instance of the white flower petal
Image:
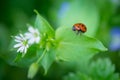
(29, 36)
(27, 33)
(21, 36)
(21, 43)
(17, 40)
(17, 37)
(27, 46)
(36, 30)
(37, 39)
(20, 49)
(32, 36)
(31, 29)
(31, 41)
(25, 50)
(17, 45)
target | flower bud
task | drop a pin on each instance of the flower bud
(33, 70)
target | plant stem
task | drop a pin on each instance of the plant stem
(43, 54)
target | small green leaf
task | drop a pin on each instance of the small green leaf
(33, 70)
(25, 61)
(103, 69)
(18, 57)
(77, 76)
(43, 25)
(48, 60)
(76, 47)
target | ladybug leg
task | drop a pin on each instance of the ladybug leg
(78, 32)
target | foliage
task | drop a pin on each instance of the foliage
(59, 50)
(78, 48)
(102, 69)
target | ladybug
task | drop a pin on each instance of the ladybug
(79, 27)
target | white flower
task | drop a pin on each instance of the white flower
(22, 43)
(33, 35)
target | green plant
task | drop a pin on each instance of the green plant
(102, 69)
(50, 45)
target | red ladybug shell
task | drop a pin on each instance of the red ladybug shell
(80, 27)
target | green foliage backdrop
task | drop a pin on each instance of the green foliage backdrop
(60, 54)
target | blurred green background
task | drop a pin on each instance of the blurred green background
(102, 18)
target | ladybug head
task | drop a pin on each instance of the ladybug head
(73, 28)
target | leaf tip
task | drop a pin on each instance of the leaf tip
(106, 49)
(45, 72)
(36, 11)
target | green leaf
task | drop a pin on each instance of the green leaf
(25, 61)
(18, 57)
(74, 47)
(33, 70)
(103, 69)
(77, 76)
(81, 11)
(48, 60)
(43, 25)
